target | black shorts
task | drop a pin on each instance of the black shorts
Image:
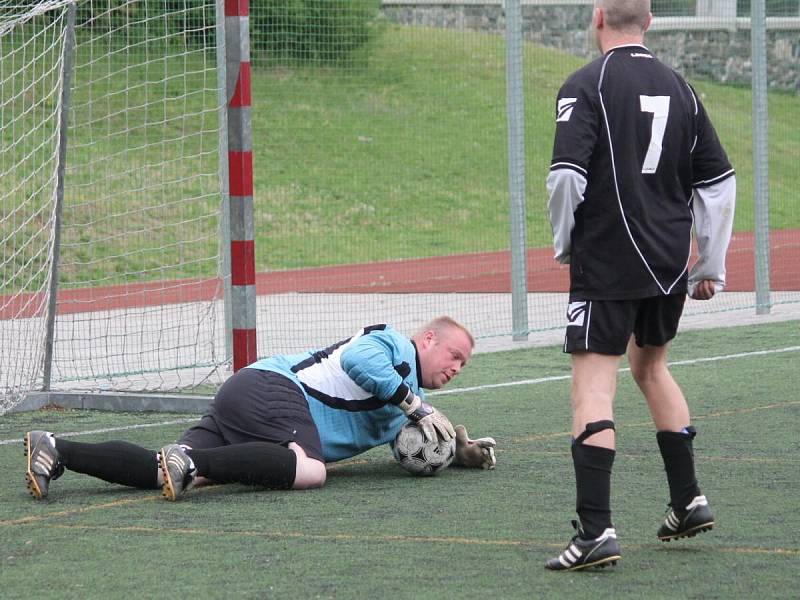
(257, 406)
(605, 326)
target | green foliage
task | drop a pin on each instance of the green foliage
(322, 32)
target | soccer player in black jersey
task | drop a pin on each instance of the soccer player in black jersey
(636, 164)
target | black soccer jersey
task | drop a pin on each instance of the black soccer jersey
(640, 137)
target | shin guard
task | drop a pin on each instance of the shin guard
(593, 481)
(678, 454)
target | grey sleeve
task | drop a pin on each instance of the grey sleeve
(565, 189)
(713, 208)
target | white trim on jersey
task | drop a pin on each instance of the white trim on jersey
(627, 45)
(713, 180)
(696, 110)
(569, 165)
(328, 377)
(694, 100)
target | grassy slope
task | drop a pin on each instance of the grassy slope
(401, 155)
(407, 156)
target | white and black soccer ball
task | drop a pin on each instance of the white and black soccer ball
(417, 455)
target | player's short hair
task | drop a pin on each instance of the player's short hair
(627, 16)
(443, 323)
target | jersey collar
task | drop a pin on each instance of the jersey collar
(419, 368)
(629, 46)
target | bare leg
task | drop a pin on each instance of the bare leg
(594, 384)
(310, 472)
(664, 397)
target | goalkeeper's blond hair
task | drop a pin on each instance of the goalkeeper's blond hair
(444, 323)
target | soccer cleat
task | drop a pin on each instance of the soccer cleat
(582, 553)
(178, 470)
(696, 518)
(43, 465)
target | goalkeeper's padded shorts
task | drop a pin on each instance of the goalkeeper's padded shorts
(257, 406)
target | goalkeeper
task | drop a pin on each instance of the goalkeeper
(277, 422)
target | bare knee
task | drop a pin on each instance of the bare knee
(649, 374)
(309, 472)
(642, 373)
(648, 365)
(594, 380)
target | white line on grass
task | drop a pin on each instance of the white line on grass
(111, 429)
(691, 361)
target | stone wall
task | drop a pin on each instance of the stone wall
(725, 55)
(722, 53)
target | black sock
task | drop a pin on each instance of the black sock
(253, 463)
(593, 484)
(116, 462)
(678, 454)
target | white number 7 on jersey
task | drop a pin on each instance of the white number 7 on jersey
(659, 106)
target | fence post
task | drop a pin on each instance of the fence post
(67, 62)
(758, 37)
(516, 169)
(240, 172)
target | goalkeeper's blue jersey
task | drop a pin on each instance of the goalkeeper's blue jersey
(353, 388)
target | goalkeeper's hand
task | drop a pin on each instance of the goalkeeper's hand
(474, 453)
(430, 420)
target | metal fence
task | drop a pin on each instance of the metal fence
(398, 156)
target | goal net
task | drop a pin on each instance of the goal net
(137, 268)
(32, 50)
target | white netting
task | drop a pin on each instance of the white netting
(31, 56)
(138, 282)
(141, 212)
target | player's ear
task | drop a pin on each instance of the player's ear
(648, 22)
(429, 337)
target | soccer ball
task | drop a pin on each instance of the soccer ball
(417, 455)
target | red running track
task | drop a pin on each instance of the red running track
(486, 272)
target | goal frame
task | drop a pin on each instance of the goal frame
(236, 268)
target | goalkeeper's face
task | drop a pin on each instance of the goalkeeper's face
(442, 355)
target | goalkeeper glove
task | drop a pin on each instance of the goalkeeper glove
(430, 420)
(474, 453)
